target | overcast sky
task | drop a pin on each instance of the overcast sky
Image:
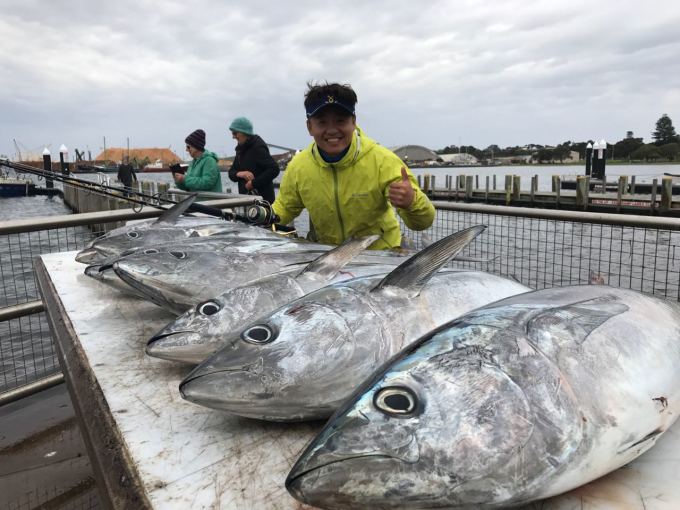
(434, 73)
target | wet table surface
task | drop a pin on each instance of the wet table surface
(185, 456)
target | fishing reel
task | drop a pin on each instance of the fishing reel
(261, 213)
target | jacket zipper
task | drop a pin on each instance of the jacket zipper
(337, 201)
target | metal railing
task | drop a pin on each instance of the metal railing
(28, 359)
(538, 247)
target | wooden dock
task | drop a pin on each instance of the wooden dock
(586, 194)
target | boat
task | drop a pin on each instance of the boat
(13, 187)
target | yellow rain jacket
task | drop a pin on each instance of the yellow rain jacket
(350, 197)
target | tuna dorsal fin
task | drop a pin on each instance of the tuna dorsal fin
(327, 265)
(580, 318)
(417, 270)
(172, 215)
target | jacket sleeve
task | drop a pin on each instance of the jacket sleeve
(203, 178)
(266, 166)
(420, 214)
(288, 204)
(234, 169)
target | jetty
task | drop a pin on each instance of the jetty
(582, 194)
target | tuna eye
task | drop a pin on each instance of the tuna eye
(178, 254)
(209, 308)
(395, 401)
(133, 234)
(150, 251)
(259, 334)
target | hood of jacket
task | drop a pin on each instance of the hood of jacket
(207, 154)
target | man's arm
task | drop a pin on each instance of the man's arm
(411, 203)
(267, 165)
(288, 204)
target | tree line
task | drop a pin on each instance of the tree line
(665, 147)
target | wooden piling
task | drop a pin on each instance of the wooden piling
(623, 183)
(582, 184)
(652, 202)
(516, 187)
(508, 189)
(666, 193)
(468, 187)
(486, 193)
(632, 185)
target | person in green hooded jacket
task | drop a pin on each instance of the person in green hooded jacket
(203, 173)
(349, 184)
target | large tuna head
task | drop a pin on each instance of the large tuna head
(300, 362)
(208, 326)
(174, 278)
(136, 236)
(457, 420)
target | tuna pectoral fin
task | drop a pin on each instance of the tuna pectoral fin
(173, 214)
(417, 270)
(328, 264)
(582, 317)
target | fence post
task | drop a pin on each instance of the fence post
(666, 193)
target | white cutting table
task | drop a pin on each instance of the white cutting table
(151, 449)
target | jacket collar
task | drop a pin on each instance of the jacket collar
(349, 159)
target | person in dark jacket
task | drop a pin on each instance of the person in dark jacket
(203, 173)
(254, 169)
(126, 174)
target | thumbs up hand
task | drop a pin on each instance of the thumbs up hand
(401, 193)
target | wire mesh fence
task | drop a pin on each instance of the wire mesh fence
(27, 352)
(542, 252)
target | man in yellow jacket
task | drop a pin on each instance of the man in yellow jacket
(347, 182)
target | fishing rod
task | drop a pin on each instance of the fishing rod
(259, 213)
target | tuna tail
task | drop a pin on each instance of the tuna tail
(327, 265)
(172, 215)
(417, 270)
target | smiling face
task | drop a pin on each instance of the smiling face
(332, 129)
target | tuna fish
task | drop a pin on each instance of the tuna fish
(205, 328)
(521, 400)
(179, 278)
(304, 359)
(169, 227)
(218, 244)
